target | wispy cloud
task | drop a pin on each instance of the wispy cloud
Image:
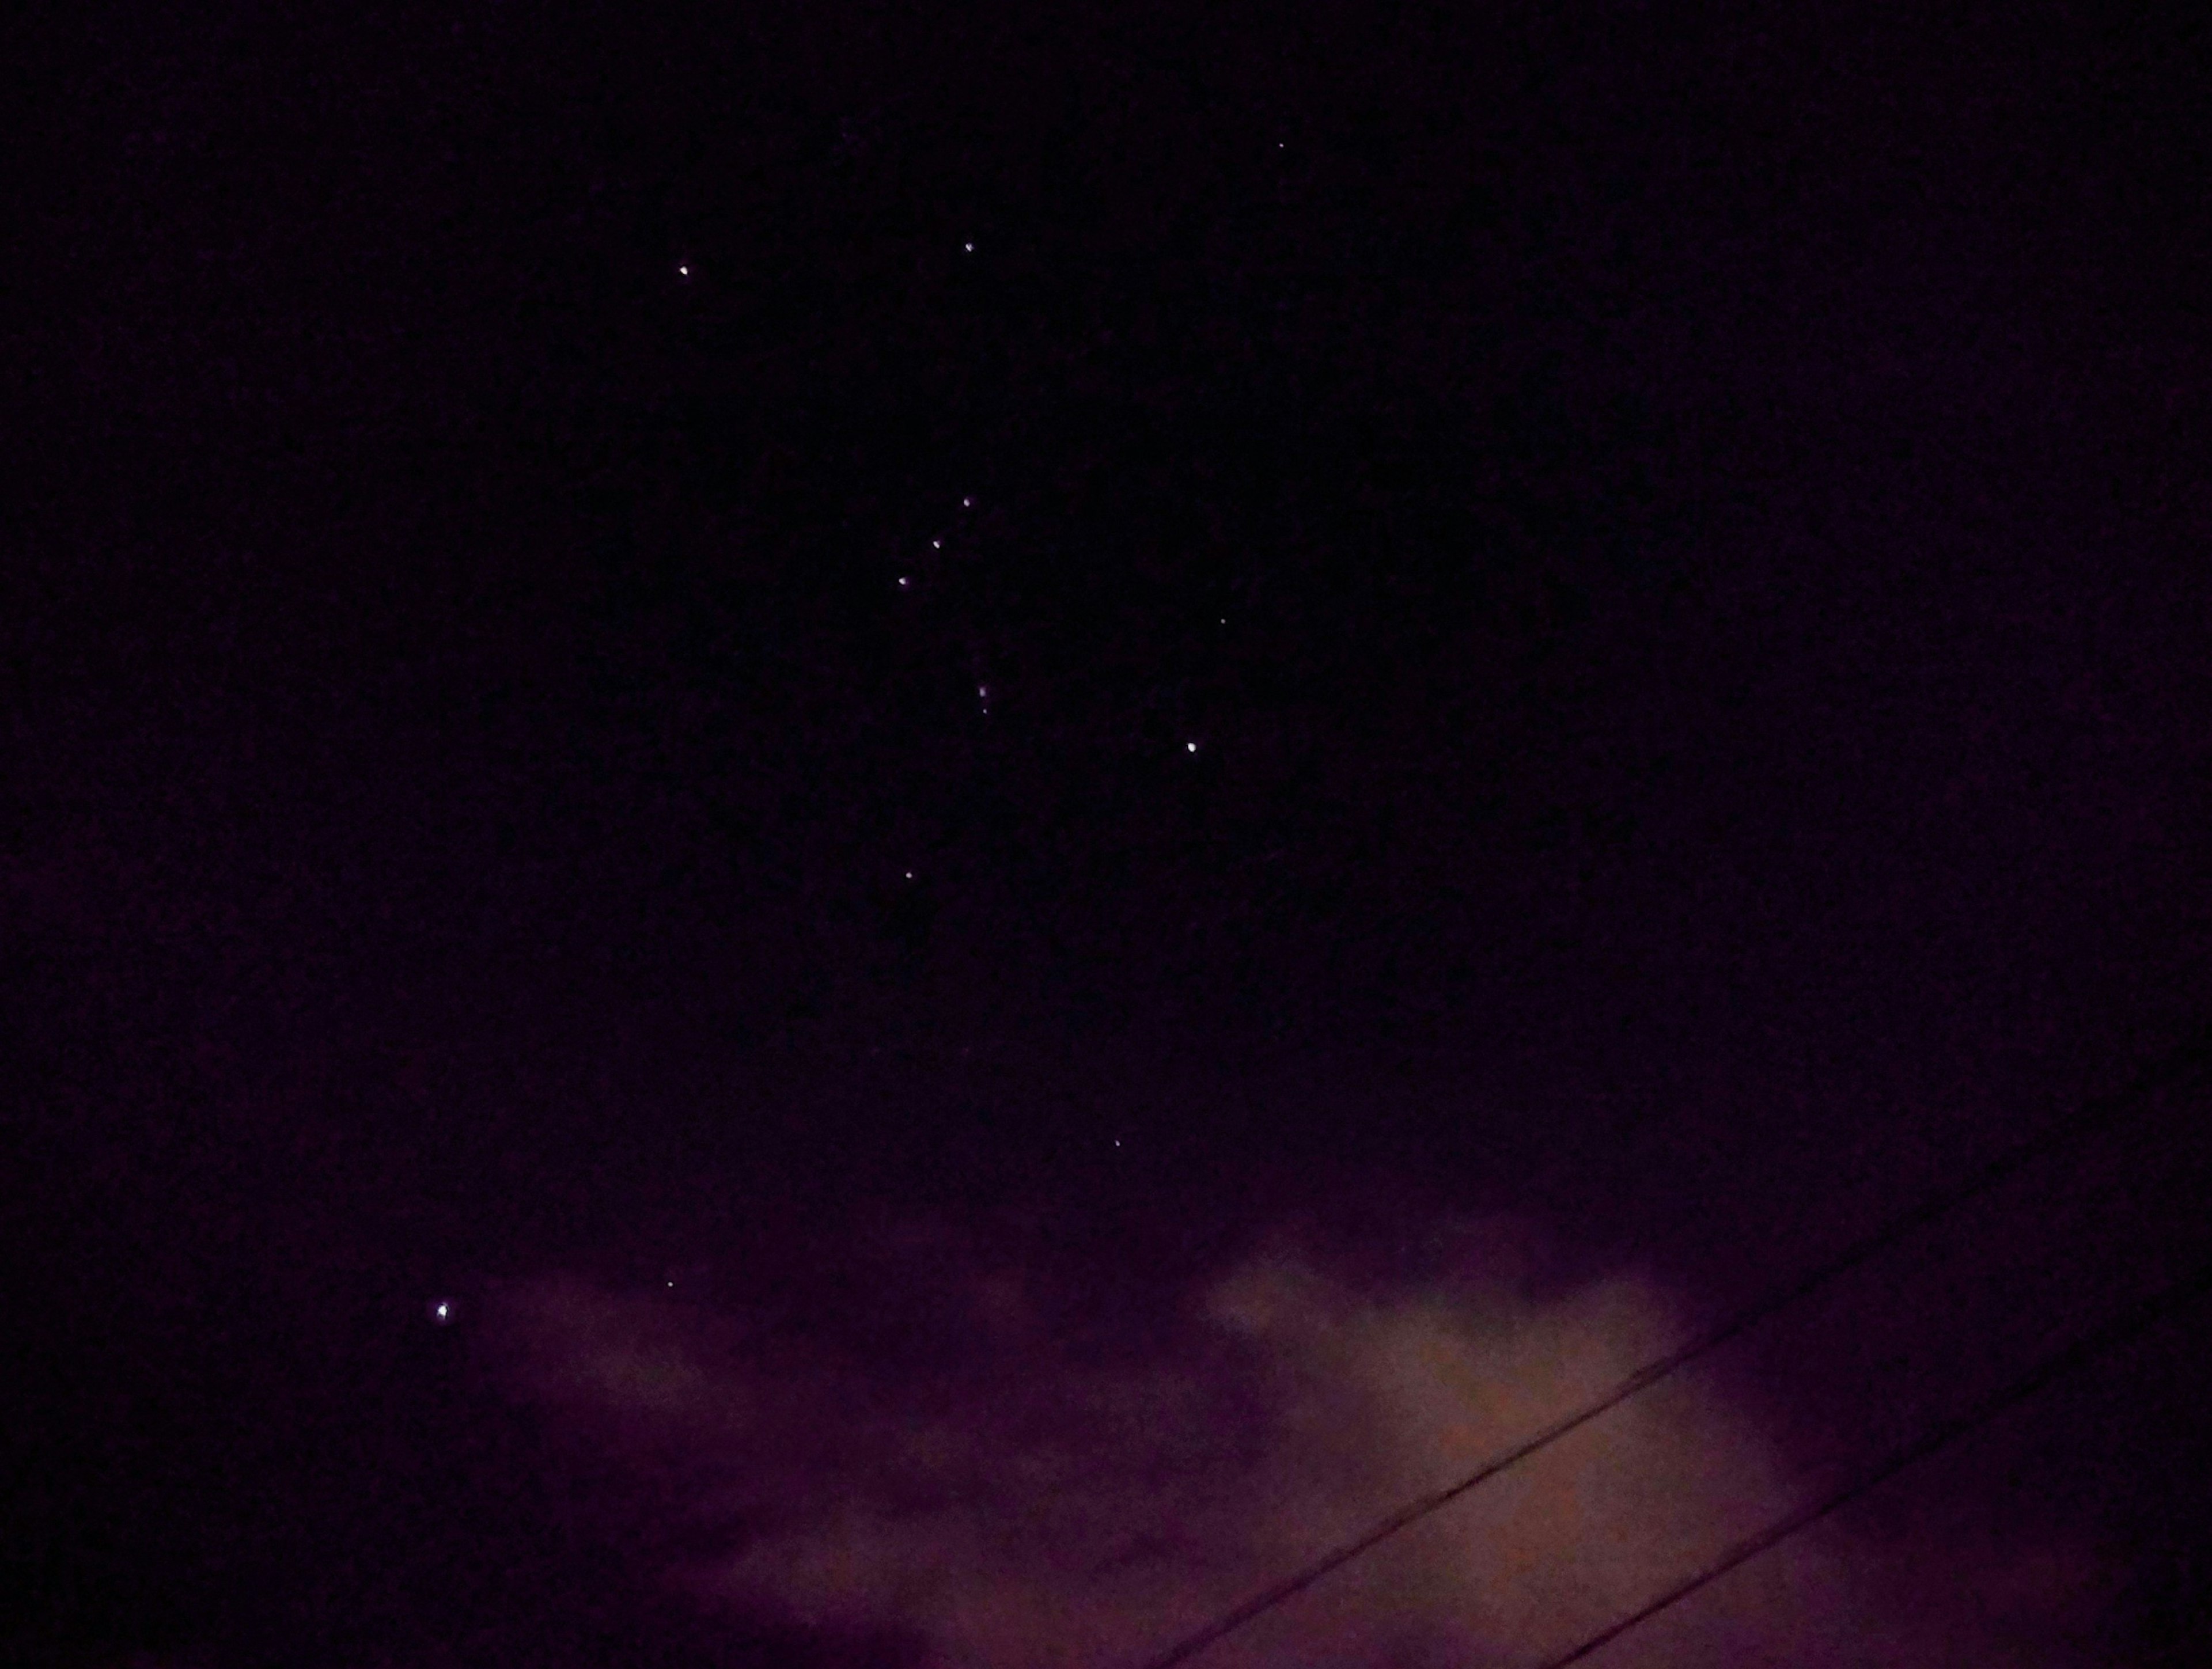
(1019, 1492)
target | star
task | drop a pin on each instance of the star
(684, 270)
(969, 247)
(905, 582)
(444, 1313)
(1190, 747)
(967, 504)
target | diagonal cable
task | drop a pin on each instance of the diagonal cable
(2175, 1068)
(2138, 1318)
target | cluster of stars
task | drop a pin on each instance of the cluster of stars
(905, 582)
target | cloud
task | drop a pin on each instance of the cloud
(965, 1462)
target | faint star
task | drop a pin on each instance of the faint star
(969, 247)
(1190, 747)
(905, 582)
(937, 545)
(683, 271)
(967, 504)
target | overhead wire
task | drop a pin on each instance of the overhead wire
(2094, 1118)
(2137, 1319)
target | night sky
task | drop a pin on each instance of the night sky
(839, 835)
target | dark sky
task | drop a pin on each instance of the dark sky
(874, 704)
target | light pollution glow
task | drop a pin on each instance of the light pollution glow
(1027, 1499)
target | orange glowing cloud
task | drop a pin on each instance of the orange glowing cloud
(1028, 1496)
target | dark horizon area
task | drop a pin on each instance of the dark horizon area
(855, 714)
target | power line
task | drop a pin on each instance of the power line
(2137, 1319)
(2094, 1116)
